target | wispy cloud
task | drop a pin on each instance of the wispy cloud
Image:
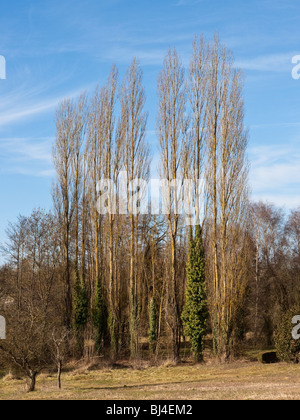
(272, 125)
(23, 104)
(27, 148)
(13, 116)
(188, 2)
(26, 156)
(269, 63)
(275, 174)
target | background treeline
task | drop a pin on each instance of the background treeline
(78, 283)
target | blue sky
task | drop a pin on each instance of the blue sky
(55, 49)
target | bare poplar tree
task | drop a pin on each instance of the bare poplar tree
(227, 184)
(136, 163)
(95, 138)
(63, 193)
(96, 161)
(197, 95)
(77, 172)
(111, 150)
(172, 129)
(67, 192)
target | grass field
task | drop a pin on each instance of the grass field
(236, 381)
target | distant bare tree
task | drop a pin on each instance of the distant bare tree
(273, 289)
(32, 310)
(59, 351)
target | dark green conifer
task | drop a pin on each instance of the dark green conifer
(195, 313)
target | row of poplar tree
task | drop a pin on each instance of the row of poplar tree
(129, 274)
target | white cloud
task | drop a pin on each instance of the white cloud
(288, 201)
(275, 174)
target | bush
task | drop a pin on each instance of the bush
(288, 349)
(268, 357)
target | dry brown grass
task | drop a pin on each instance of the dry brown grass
(236, 381)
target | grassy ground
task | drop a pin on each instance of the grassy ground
(238, 381)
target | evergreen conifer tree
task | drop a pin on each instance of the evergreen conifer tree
(195, 313)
